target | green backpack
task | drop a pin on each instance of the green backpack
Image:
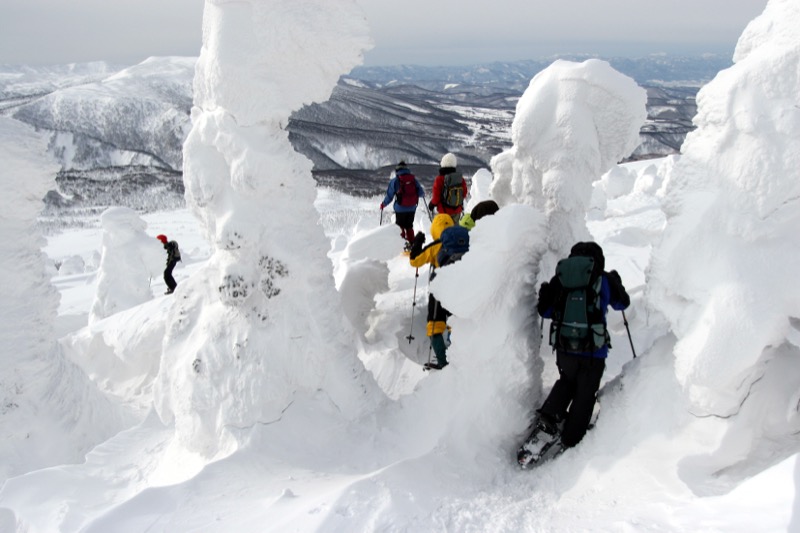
(578, 325)
(453, 190)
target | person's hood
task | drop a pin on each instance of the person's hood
(466, 221)
(440, 223)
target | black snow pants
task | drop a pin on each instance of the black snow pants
(168, 279)
(406, 223)
(574, 394)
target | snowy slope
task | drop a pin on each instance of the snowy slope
(430, 463)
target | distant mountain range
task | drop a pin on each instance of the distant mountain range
(658, 69)
(118, 131)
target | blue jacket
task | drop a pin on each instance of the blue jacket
(612, 293)
(391, 193)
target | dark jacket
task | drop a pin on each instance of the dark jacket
(173, 252)
(612, 293)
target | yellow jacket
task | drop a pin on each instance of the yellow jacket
(437, 316)
(428, 255)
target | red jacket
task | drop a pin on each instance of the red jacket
(436, 196)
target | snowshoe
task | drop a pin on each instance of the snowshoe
(433, 366)
(543, 443)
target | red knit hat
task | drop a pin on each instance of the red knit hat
(162, 238)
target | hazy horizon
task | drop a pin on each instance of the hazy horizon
(445, 33)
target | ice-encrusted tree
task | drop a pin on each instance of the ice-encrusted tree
(261, 327)
(50, 412)
(130, 260)
(572, 124)
(724, 275)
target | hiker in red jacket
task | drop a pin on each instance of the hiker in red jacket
(449, 189)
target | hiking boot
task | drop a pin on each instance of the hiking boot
(537, 445)
(546, 424)
(169, 291)
(435, 366)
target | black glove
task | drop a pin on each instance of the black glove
(416, 246)
(618, 293)
(546, 297)
(430, 205)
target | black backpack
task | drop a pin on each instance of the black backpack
(173, 252)
(578, 324)
(453, 190)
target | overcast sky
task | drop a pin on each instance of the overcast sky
(430, 32)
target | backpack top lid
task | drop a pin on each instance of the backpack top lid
(590, 249)
(455, 239)
(455, 243)
(576, 272)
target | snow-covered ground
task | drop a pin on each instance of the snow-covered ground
(420, 468)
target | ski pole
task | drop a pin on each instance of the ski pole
(381, 222)
(630, 339)
(413, 307)
(428, 209)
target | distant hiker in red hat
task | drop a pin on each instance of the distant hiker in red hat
(173, 256)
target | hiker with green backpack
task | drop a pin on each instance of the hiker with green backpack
(449, 189)
(576, 300)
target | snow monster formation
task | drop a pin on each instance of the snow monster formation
(261, 327)
(724, 275)
(573, 123)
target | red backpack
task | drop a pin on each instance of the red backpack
(407, 190)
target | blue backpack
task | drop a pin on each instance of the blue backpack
(455, 243)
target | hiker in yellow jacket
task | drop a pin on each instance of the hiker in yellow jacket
(437, 315)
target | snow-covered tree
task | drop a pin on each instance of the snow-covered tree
(261, 327)
(130, 260)
(573, 123)
(48, 407)
(724, 275)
